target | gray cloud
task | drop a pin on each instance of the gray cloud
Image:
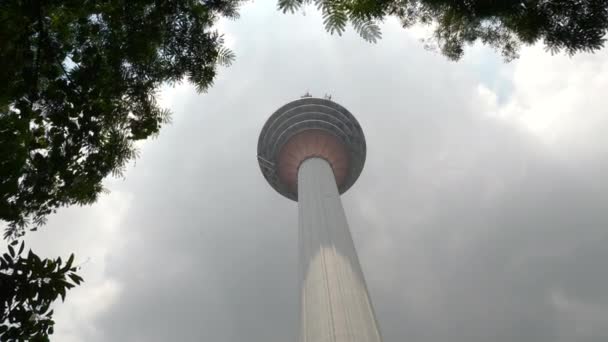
(469, 227)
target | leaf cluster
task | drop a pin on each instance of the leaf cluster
(364, 15)
(28, 287)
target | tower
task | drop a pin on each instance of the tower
(312, 150)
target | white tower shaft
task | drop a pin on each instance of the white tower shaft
(335, 304)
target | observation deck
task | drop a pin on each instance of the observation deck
(305, 128)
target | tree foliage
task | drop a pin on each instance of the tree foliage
(563, 25)
(77, 88)
(338, 13)
(28, 287)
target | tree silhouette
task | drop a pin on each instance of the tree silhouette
(78, 81)
(77, 88)
(28, 287)
(563, 25)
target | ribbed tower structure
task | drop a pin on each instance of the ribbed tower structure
(312, 150)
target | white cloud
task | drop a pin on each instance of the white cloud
(561, 100)
(75, 319)
(93, 234)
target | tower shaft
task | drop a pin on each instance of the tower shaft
(335, 304)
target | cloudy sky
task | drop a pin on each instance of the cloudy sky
(479, 216)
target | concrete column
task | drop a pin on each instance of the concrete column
(335, 304)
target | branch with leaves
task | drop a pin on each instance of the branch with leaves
(562, 25)
(338, 13)
(28, 287)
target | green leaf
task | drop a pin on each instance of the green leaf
(289, 5)
(75, 278)
(367, 29)
(62, 293)
(8, 258)
(225, 56)
(70, 261)
(334, 17)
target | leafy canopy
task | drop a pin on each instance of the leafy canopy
(563, 25)
(77, 88)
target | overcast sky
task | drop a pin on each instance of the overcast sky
(480, 214)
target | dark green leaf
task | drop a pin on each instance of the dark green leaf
(70, 261)
(75, 278)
